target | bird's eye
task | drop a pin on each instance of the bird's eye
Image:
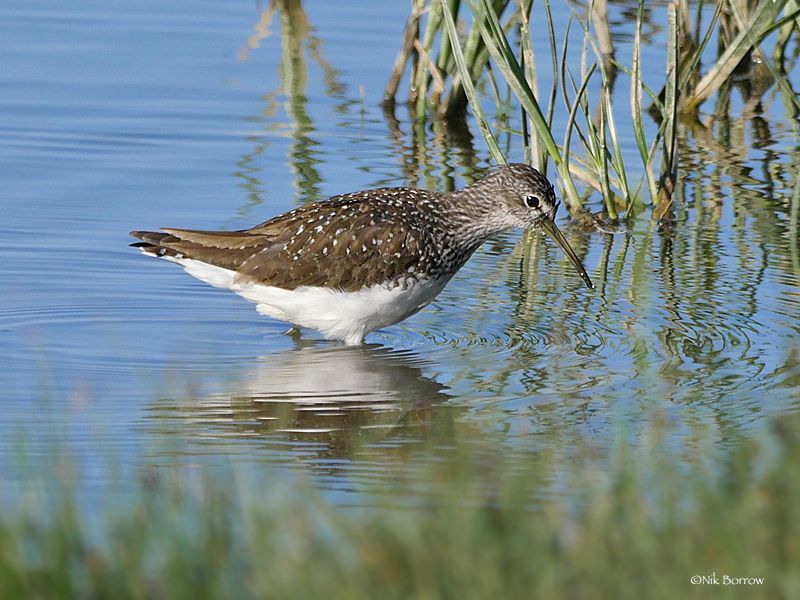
(532, 201)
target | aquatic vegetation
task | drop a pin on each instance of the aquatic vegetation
(496, 51)
(614, 528)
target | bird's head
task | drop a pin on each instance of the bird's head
(524, 198)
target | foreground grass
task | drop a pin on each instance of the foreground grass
(641, 528)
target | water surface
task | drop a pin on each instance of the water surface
(139, 115)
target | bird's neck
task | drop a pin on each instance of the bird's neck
(474, 215)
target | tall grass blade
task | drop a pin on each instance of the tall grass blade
(469, 88)
(572, 105)
(533, 153)
(604, 55)
(670, 115)
(443, 61)
(692, 64)
(571, 124)
(763, 17)
(426, 68)
(779, 78)
(616, 157)
(636, 104)
(476, 57)
(500, 50)
(410, 34)
(597, 136)
(551, 105)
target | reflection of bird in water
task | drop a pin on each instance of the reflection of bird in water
(362, 261)
(322, 399)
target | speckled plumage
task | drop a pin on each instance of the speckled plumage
(387, 239)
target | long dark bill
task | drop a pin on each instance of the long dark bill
(554, 232)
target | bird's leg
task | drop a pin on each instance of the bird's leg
(293, 332)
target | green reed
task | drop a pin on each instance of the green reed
(482, 528)
(498, 38)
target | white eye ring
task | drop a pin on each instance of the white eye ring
(532, 201)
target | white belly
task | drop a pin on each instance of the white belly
(346, 316)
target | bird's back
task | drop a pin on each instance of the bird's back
(347, 242)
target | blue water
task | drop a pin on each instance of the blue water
(136, 115)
